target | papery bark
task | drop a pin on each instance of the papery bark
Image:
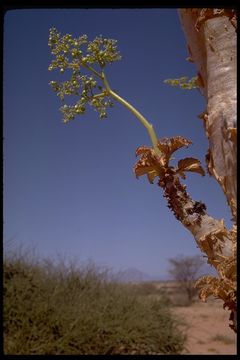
(211, 41)
(213, 239)
(211, 235)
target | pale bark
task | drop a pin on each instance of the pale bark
(212, 237)
(212, 45)
(211, 40)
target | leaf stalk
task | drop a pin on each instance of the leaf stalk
(149, 127)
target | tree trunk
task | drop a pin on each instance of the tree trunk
(211, 39)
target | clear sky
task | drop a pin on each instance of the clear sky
(69, 189)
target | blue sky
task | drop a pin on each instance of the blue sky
(69, 189)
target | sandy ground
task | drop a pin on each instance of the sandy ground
(207, 328)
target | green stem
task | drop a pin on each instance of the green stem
(91, 69)
(135, 112)
(99, 95)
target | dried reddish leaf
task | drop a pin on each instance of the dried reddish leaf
(163, 145)
(189, 164)
(149, 163)
(144, 150)
(174, 143)
(208, 286)
(225, 290)
(169, 145)
(142, 169)
(151, 175)
(153, 165)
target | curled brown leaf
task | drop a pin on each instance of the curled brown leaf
(149, 163)
(153, 165)
(168, 145)
(189, 164)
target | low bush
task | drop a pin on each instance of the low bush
(59, 309)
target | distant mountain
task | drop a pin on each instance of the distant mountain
(133, 275)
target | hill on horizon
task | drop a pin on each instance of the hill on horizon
(132, 274)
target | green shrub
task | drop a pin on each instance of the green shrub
(59, 309)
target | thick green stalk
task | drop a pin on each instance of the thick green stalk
(136, 113)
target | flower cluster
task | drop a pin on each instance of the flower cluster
(78, 55)
(102, 51)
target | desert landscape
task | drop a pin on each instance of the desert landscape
(207, 328)
(98, 315)
(205, 324)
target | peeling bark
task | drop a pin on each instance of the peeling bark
(211, 40)
(211, 235)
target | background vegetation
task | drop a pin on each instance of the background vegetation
(54, 308)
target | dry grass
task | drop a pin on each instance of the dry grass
(58, 309)
(223, 339)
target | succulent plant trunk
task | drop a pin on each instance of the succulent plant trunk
(211, 39)
(213, 239)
